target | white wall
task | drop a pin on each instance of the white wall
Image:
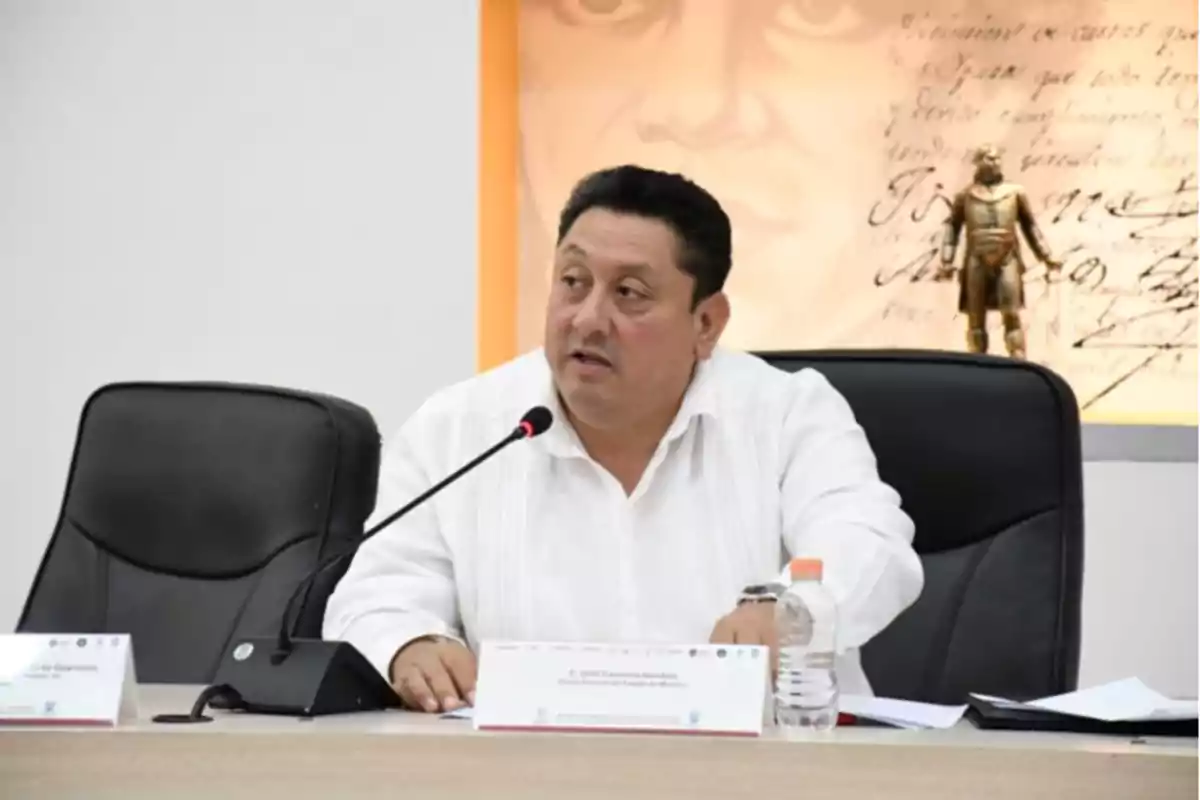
(277, 191)
(1139, 582)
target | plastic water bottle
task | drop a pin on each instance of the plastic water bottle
(806, 689)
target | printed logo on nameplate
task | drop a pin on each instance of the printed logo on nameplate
(67, 679)
(712, 689)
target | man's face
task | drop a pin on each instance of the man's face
(621, 335)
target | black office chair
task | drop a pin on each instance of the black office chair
(191, 513)
(985, 454)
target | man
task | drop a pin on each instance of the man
(676, 474)
(992, 276)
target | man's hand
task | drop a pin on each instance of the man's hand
(945, 272)
(749, 623)
(434, 674)
(1053, 264)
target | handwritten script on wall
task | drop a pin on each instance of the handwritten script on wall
(836, 133)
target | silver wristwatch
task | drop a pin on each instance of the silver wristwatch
(762, 593)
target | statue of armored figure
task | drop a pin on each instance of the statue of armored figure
(992, 274)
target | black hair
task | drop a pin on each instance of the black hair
(699, 222)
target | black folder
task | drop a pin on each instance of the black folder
(988, 715)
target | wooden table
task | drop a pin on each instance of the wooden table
(396, 754)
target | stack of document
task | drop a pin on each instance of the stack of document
(1127, 700)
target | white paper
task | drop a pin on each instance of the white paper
(1127, 700)
(466, 712)
(901, 713)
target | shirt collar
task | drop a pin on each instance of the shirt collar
(699, 400)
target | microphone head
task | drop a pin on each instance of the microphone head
(536, 421)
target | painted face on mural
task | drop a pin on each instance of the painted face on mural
(723, 91)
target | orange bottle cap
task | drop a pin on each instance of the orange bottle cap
(806, 569)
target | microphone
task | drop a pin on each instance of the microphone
(314, 677)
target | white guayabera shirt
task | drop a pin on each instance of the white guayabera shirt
(541, 543)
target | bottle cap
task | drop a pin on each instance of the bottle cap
(806, 569)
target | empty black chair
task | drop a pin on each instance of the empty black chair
(985, 454)
(191, 513)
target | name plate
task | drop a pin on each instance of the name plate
(709, 689)
(66, 679)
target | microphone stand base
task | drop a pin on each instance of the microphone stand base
(313, 679)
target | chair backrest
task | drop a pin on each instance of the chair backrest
(191, 513)
(985, 454)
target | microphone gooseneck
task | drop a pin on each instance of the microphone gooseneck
(534, 422)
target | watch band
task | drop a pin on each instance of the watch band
(761, 593)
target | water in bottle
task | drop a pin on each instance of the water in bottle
(806, 689)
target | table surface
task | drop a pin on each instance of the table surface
(240, 755)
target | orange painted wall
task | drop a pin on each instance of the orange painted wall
(499, 87)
